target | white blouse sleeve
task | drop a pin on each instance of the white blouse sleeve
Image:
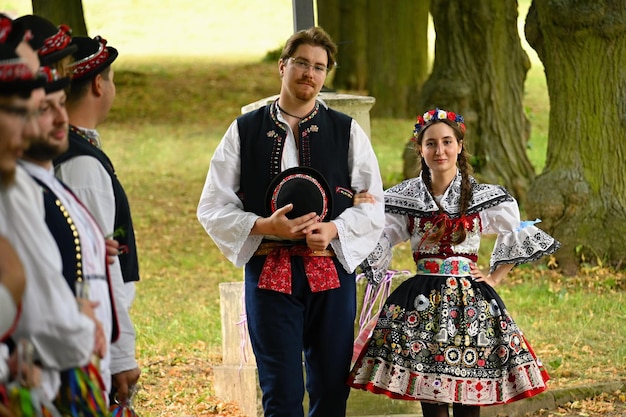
(220, 211)
(377, 263)
(517, 242)
(359, 227)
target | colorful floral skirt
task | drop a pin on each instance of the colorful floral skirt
(449, 340)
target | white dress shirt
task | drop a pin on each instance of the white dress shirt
(62, 336)
(92, 184)
(221, 212)
(93, 251)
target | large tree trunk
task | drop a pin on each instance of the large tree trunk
(69, 12)
(397, 55)
(345, 22)
(581, 195)
(479, 71)
(352, 70)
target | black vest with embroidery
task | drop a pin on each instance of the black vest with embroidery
(323, 144)
(129, 263)
(64, 231)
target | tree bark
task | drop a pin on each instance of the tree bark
(69, 12)
(397, 55)
(479, 71)
(346, 22)
(581, 194)
(352, 71)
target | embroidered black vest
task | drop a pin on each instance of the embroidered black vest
(129, 263)
(323, 144)
(64, 231)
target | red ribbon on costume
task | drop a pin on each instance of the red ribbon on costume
(276, 274)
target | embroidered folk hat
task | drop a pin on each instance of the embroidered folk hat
(52, 43)
(54, 82)
(92, 57)
(304, 187)
(15, 74)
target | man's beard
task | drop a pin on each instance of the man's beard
(42, 151)
(6, 179)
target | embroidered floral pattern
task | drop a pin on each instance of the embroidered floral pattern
(276, 273)
(448, 345)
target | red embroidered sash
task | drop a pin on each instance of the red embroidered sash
(318, 266)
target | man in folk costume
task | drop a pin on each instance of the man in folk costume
(80, 239)
(299, 268)
(61, 330)
(88, 171)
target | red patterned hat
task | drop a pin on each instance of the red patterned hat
(54, 82)
(16, 77)
(52, 43)
(91, 58)
(305, 188)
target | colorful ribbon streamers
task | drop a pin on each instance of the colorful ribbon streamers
(24, 398)
(82, 393)
(124, 409)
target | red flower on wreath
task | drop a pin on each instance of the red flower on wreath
(431, 266)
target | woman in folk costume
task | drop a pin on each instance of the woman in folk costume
(444, 336)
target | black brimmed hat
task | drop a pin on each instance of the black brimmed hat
(91, 58)
(52, 43)
(54, 82)
(305, 187)
(16, 77)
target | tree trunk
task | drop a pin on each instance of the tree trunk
(352, 70)
(397, 55)
(328, 18)
(479, 71)
(69, 12)
(581, 195)
(346, 22)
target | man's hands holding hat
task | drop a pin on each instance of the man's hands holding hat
(279, 225)
(319, 235)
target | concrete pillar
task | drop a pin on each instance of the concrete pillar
(236, 379)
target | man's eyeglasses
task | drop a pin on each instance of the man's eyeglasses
(22, 112)
(305, 65)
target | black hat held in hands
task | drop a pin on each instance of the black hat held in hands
(304, 187)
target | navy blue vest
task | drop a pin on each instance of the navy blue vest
(323, 144)
(68, 241)
(128, 261)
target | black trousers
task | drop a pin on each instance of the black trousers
(284, 327)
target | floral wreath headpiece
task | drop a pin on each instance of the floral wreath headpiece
(437, 114)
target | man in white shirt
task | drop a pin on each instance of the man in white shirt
(62, 334)
(87, 170)
(299, 270)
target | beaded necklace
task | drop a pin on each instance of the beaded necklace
(85, 136)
